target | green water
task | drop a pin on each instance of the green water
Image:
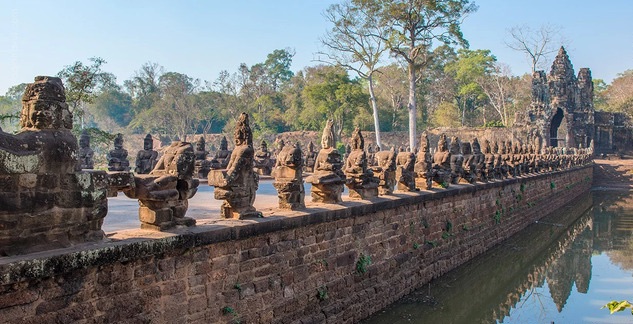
(560, 270)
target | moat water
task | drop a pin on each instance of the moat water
(562, 269)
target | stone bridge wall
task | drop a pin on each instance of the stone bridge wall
(333, 266)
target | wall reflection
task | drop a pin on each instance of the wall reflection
(554, 253)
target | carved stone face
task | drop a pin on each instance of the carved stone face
(118, 142)
(84, 141)
(224, 144)
(148, 144)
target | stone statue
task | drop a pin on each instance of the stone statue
(237, 185)
(263, 162)
(86, 154)
(288, 174)
(405, 171)
(117, 158)
(222, 156)
(479, 160)
(47, 202)
(385, 171)
(456, 161)
(360, 179)
(202, 163)
(490, 159)
(310, 158)
(279, 145)
(468, 165)
(328, 177)
(146, 158)
(442, 174)
(163, 194)
(423, 165)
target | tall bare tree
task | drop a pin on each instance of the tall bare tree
(412, 26)
(536, 44)
(356, 42)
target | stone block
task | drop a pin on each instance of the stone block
(155, 217)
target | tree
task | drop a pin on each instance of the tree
(356, 42)
(536, 44)
(143, 87)
(391, 88)
(619, 94)
(177, 111)
(329, 93)
(469, 68)
(10, 107)
(412, 26)
(506, 93)
(82, 82)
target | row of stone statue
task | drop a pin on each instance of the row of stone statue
(48, 201)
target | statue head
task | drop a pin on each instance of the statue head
(474, 143)
(442, 146)
(327, 139)
(201, 144)
(224, 144)
(487, 149)
(118, 141)
(243, 134)
(148, 142)
(264, 146)
(44, 105)
(310, 147)
(466, 148)
(454, 145)
(424, 142)
(84, 140)
(357, 141)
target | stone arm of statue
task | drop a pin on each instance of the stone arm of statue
(234, 167)
(14, 158)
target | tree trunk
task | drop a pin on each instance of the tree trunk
(412, 108)
(374, 106)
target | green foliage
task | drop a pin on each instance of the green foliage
(322, 293)
(431, 243)
(446, 235)
(416, 246)
(522, 187)
(494, 123)
(237, 287)
(552, 185)
(446, 115)
(615, 306)
(465, 228)
(497, 217)
(449, 226)
(363, 262)
(228, 310)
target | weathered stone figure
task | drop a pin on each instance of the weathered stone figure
(405, 171)
(86, 154)
(163, 194)
(457, 161)
(385, 171)
(360, 179)
(46, 201)
(203, 164)
(237, 185)
(442, 163)
(468, 164)
(117, 158)
(424, 165)
(328, 178)
(310, 158)
(222, 156)
(263, 162)
(288, 173)
(490, 157)
(146, 158)
(479, 159)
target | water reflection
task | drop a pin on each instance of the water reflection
(560, 270)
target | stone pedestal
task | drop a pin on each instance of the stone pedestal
(289, 185)
(327, 193)
(238, 197)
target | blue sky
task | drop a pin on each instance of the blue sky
(201, 38)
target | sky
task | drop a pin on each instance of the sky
(201, 38)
